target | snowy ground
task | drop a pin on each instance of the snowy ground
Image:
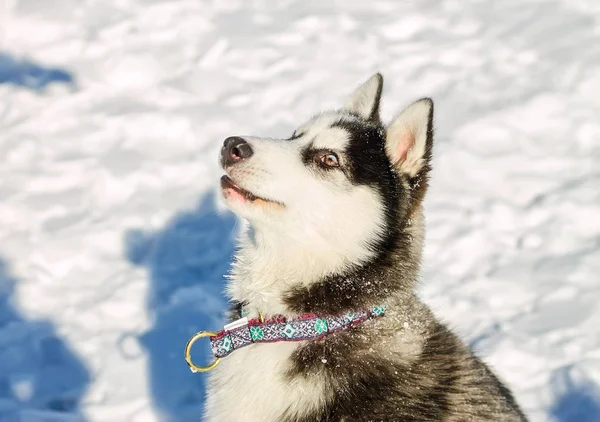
(113, 247)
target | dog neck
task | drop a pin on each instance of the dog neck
(271, 265)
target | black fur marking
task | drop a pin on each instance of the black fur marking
(374, 116)
(235, 310)
(307, 154)
(366, 386)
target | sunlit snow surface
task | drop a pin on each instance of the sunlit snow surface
(113, 245)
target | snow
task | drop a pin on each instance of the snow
(113, 244)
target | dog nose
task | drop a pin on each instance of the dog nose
(235, 149)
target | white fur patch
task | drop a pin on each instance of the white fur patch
(311, 242)
(334, 138)
(249, 385)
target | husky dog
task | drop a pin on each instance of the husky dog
(335, 224)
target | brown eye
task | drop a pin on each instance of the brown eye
(330, 160)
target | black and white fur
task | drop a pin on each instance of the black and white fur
(327, 236)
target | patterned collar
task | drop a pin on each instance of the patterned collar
(244, 332)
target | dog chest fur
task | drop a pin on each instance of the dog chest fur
(252, 386)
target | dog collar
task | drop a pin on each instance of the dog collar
(243, 332)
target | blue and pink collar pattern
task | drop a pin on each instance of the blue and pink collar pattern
(244, 332)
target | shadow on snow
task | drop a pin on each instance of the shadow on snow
(578, 398)
(40, 377)
(27, 74)
(186, 261)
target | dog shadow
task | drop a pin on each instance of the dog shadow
(186, 261)
(24, 73)
(578, 400)
(41, 379)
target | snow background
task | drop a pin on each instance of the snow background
(113, 244)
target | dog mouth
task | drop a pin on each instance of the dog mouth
(230, 188)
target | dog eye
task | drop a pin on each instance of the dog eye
(329, 160)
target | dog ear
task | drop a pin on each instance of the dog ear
(364, 101)
(409, 138)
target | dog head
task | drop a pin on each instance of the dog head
(343, 184)
(337, 179)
